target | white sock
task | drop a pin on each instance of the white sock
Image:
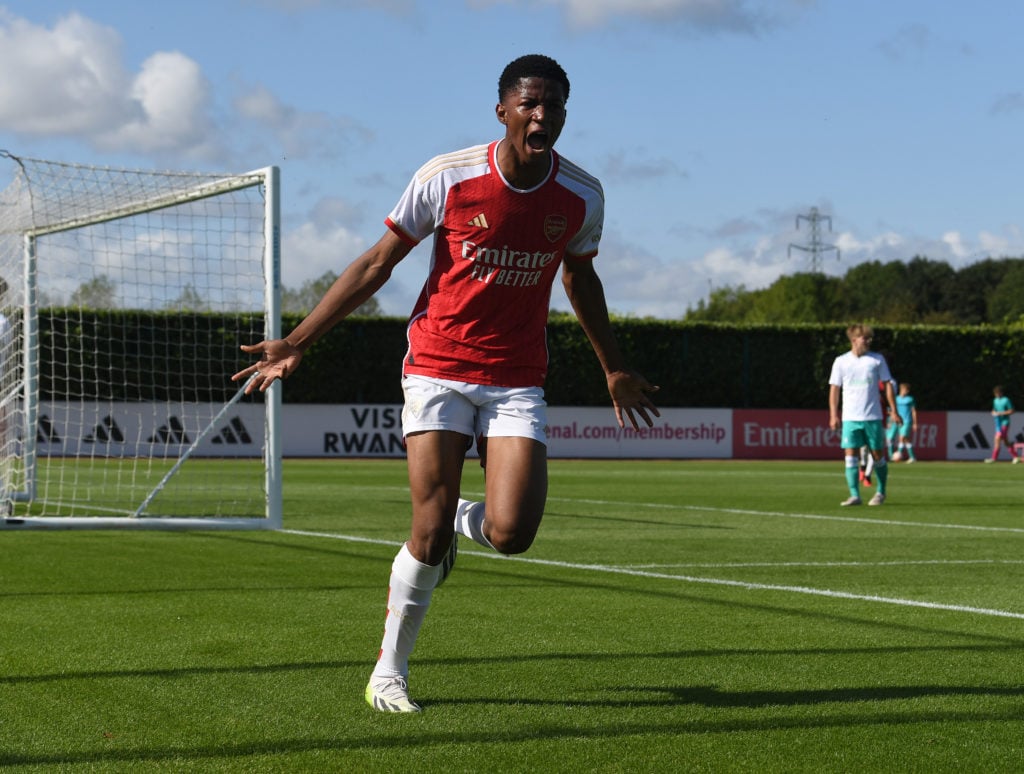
(469, 521)
(411, 586)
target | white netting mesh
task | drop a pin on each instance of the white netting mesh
(129, 292)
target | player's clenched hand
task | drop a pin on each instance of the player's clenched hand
(277, 359)
(629, 392)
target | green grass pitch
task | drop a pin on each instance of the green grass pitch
(684, 616)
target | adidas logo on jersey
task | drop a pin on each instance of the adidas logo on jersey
(480, 221)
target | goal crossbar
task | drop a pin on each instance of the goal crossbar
(158, 203)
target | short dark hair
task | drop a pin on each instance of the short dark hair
(531, 66)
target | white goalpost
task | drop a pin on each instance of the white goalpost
(124, 296)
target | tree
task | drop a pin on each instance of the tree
(879, 292)
(303, 300)
(798, 298)
(930, 283)
(725, 304)
(98, 293)
(1006, 302)
(919, 292)
(188, 300)
(968, 298)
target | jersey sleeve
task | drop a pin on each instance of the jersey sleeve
(420, 210)
(835, 378)
(883, 371)
(587, 239)
(584, 243)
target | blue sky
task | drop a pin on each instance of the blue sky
(712, 124)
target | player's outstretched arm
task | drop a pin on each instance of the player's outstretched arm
(279, 358)
(630, 396)
(630, 392)
(276, 359)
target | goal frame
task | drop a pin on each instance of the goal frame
(269, 179)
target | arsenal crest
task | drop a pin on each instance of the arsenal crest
(554, 227)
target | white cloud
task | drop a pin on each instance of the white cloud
(312, 249)
(297, 6)
(886, 243)
(68, 79)
(710, 15)
(756, 269)
(1002, 244)
(954, 241)
(175, 99)
(295, 133)
(327, 242)
(71, 82)
(640, 283)
(743, 16)
(644, 284)
(617, 166)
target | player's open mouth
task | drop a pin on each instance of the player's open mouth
(537, 140)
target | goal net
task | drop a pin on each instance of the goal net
(124, 296)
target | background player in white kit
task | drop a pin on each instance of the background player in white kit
(505, 217)
(855, 378)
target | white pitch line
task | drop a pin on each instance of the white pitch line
(750, 512)
(692, 579)
(901, 563)
(783, 514)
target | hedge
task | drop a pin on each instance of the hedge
(695, 364)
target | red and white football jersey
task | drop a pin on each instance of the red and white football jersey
(482, 314)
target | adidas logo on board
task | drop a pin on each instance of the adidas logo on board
(974, 439)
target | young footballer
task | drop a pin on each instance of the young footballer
(855, 380)
(505, 218)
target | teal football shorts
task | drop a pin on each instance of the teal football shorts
(868, 433)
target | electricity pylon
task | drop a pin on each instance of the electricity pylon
(816, 248)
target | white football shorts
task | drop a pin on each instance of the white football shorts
(473, 409)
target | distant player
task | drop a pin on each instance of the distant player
(1002, 408)
(855, 379)
(867, 461)
(906, 407)
(892, 431)
(866, 465)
